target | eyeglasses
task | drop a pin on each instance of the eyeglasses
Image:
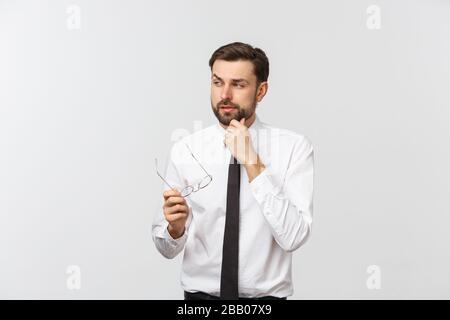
(186, 191)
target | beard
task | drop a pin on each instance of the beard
(236, 114)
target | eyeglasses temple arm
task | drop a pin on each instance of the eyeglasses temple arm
(197, 160)
(157, 172)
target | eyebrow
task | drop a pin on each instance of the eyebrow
(233, 80)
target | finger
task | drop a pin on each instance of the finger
(230, 138)
(170, 193)
(173, 200)
(230, 130)
(242, 121)
(175, 217)
(178, 208)
(234, 123)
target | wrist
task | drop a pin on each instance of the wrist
(254, 169)
(175, 233)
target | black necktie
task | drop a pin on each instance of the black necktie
(230, 255)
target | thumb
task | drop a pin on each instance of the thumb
(242, 121)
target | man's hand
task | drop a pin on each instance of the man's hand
(176, 212)
(238, 140)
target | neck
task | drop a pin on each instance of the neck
(248, 122)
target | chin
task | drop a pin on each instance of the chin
(225, 120)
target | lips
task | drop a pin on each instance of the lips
(227, 108)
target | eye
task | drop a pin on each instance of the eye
(239, 85)
(217, 83)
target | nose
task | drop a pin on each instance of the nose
(226, 92)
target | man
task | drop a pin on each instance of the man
(239, 196)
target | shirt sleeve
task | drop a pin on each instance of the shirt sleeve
(164, 242)
(288, 206)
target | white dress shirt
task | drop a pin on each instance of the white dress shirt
(275, 210)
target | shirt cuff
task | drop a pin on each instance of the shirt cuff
(172, 241)
(262, 185)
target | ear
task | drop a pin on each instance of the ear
(262, 90)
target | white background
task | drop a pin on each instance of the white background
(84, 111)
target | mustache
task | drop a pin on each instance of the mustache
(227, 103)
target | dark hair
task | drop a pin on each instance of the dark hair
(241, 51)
